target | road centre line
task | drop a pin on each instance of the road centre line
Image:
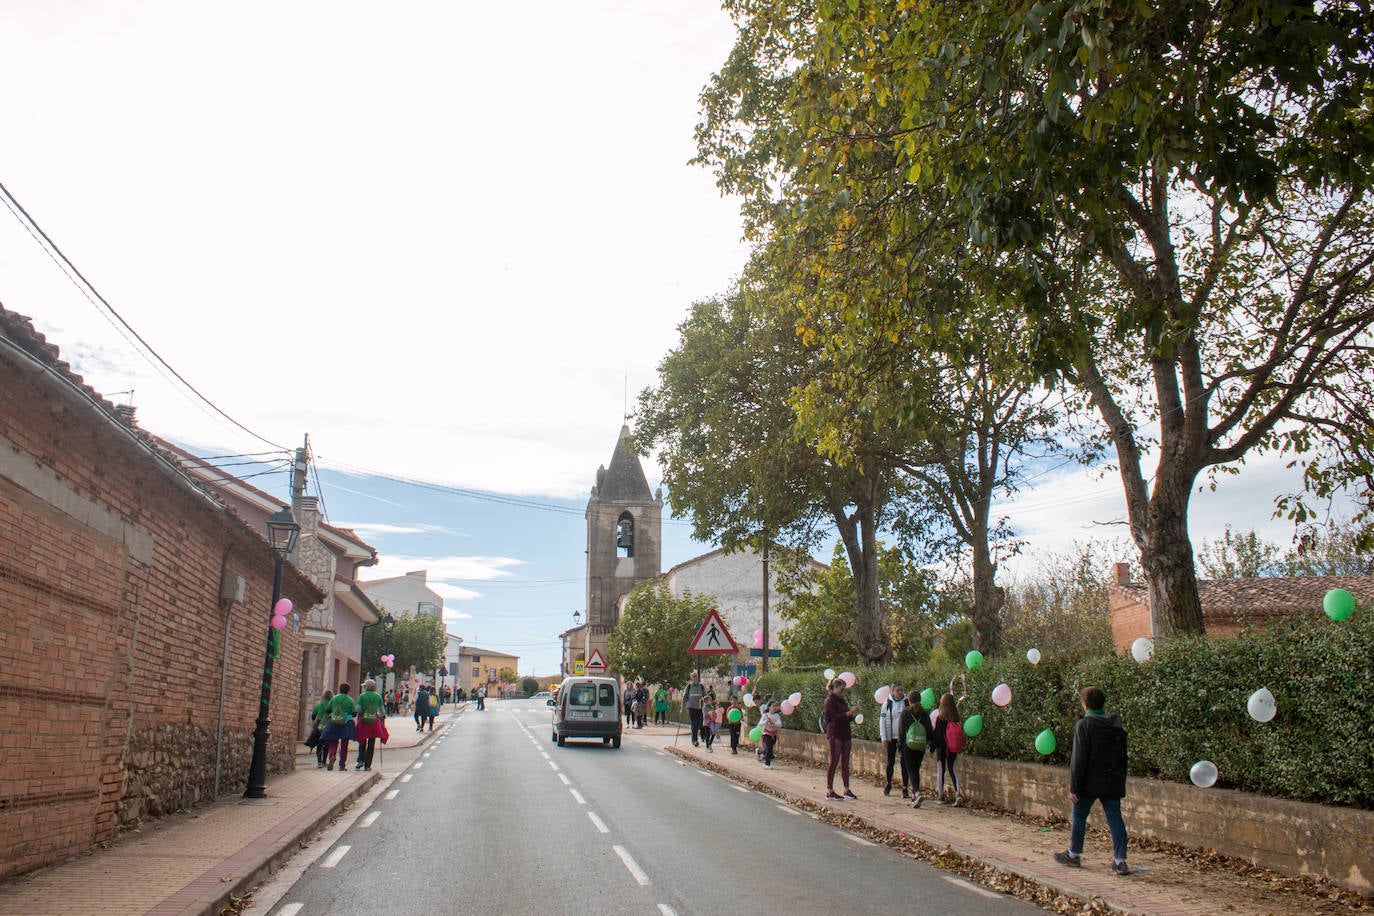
(335, 857)
(598, 823)
(972, 887)
(392, 794)
(566, 780)
(632, 866)
(577, 796)
(545, 755)
(554, 765)
(665, 910)
(367, 821)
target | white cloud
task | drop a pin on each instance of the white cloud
(440, 569)
(373, 529)
(451, 592)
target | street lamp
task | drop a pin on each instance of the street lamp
(387, 623)
(577, 618)
(281, 534)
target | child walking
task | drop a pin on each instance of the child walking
(771, 725)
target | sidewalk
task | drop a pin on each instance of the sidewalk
(1014, 855)
(192, 863)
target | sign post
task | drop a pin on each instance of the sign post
(713, 638)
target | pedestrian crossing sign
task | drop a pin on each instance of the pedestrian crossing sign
(712, 637)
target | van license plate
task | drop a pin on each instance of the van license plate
(582, 714)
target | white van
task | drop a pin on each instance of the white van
(588, 707)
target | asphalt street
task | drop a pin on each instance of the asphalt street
(495, 818)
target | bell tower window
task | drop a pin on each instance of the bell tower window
(625, 535)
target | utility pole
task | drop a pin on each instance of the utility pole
(764, 669)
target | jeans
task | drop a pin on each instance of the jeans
(366, 748)
(1111, 808)
(695, 716)
(769, 742)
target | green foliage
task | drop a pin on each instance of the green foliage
(1188, 703)
(417, 640)
(1243, 555)
(529, 686)
(650, 642)
(1062, 608)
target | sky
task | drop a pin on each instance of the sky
(449, 242)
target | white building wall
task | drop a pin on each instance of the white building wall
(408, 594)
(736, 581)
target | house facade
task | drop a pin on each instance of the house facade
(479, 667)
(136, 602)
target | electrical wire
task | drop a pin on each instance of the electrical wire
(88, 290)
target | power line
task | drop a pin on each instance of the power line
(88, 289)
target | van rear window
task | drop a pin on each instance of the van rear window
(607, 695)
(583, 695)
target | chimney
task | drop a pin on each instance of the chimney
(125, 414)
(1121, 572)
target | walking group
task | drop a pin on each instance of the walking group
(339, 719)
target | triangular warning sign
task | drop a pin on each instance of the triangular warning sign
(596, 662)
(712, 637)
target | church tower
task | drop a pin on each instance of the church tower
(624, 539)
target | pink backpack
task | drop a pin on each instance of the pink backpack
(955, 739)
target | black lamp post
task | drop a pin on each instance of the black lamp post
(281, 533)
(387, 623)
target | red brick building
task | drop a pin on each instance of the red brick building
(132, 668)
(1229, 605)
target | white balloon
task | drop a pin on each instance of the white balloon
(1033, 656)
(1261, 705)
(859, 719)
(1203, 774)
(748, 699)
(1142, 649)
(1001, 694)
(830, 674)
(881, 694)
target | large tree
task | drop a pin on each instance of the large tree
(654, 633)
(1182, 189)
(417, 640)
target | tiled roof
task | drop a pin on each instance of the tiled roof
(19, 330)
(1274, 596)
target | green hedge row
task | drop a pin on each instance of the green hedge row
(1187, 703)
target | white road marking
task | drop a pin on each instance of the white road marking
(291, 909)
(426, 754)
(856, 839)
(566, 780)
(666, 910)
(418, 764)
(335, 857)
(598, 823)
(407, 777)
(788, 810)
(392, 794)
(545, 755)
(633, 866)
(577, 796)
(703, 773)
(554, 765)
(367, 821)
(740, 789)
(972, 887)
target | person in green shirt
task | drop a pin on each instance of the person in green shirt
(661, 706)
(317, 731)
(338, 729)
(370, 727)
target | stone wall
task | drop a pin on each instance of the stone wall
(1291, 837)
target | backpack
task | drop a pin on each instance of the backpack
(433, 701)
(955, 739)
(916, 737)
(338, 716)
(823, 723)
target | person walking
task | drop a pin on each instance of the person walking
(642, 700)
(839, 735)
(317, 729)
(914, 744)
(771, 725)
(1097, 772)
(627, 703)
(421, 707)
(890, 734)
(339, 728)
(710, 721)
(368, 726)
(734, 722)
(433, 709)
(660, 706)
(949, 741)
(692, 696)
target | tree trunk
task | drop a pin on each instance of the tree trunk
(988, 597)
(1167, 559)
(859, 534)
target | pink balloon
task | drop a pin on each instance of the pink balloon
(1001, 694)
(934, 714)
(389, 663)
(795, 699)
(881, 694)
(282, 607)
(848, 678)
(788, 707)
(758, 639)
(278, 622)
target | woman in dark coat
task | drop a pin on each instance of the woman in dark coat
(839, 736)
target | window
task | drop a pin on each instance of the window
(607, 695)
(625, 535)
(476, 672)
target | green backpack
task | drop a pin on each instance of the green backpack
(916, 737)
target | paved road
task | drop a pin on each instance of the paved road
(495, 818)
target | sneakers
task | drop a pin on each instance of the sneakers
(887, 789)
(958, 800)
(917, 799)
(1120, 868)
(329, 765)
(1064, 858)
(768, 766)
(849, 794)
(831, 796)
(905, 793)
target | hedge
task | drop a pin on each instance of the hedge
(1187, 703)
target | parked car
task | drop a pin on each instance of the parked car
(543, 695)
(588, 707)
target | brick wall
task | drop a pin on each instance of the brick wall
(1291, 837)
(1130, 619)
(112, 635)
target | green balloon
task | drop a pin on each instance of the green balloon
(974, 659)
(928, 698)
(973, 725)
(734, 715)
(1338, 604)
(756, 734)
(1045, 743)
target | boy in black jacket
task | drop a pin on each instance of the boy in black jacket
(1097, 772)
